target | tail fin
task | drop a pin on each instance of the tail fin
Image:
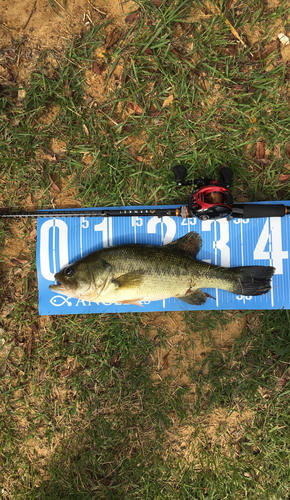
(253, 280)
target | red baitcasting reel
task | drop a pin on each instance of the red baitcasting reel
(210, 200)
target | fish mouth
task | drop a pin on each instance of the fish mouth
(59, 289)
(63, 287)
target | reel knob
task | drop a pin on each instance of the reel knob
(226, 174)
(180, 173)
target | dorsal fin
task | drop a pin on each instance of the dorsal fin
(190, 243)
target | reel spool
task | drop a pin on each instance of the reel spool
(210, 200)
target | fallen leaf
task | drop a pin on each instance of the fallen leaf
(269, 361)
(136, 108)
(281, 194)
(176, 53)
(50, 155)
(7, 310)
(102, 53)
(260, 150)
(86, 130)
(231, 50)
(165, 362)
(127, 128)
(95, 68)
(32, 235)
(154, 111)
(158, 83)
(18, 261)
(157, 3)
(115, 361)
(251, 90)
(283, 178)
(233, 30)
(239, 87)
(34, 327)
(3, 368)
(103, 68)
(229, 4)
(64, 373)
(132, 151)
(112, 38)
(67, 92)
(148, 51)
(139, 158)
(271, 47)
(268, 49)
(132, 17)
(29, 347)
(287, 150)
(53, 185)
(167, 101)
(265, 161)
(30, 282)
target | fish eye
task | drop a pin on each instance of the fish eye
(69, 271)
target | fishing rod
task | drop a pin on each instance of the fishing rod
(209, 200)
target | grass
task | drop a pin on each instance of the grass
(81, 414)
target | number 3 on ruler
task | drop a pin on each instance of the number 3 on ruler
(271, 233)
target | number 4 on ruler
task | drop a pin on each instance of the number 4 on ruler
(271, 234)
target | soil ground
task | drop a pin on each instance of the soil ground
(39, 27)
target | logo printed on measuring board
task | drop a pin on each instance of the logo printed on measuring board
(241, 242)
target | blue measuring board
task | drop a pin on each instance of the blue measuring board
(238, 242)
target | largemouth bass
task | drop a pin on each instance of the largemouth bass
(130, 274)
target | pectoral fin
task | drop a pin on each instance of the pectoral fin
(196, 298)
(129, 280)
(136, 302)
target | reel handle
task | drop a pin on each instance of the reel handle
(180, 173)
(226, 174)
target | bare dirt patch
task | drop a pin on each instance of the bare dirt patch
(28, 27)
(45, 28)
(15, 250)
(218, 432)
(184, 350)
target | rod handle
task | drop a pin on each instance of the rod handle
(256, 211)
